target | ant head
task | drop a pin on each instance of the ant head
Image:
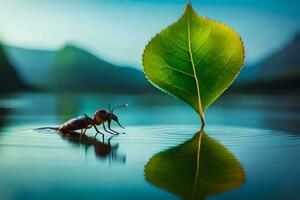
(113, 116)
(116, 119)
(100, 116)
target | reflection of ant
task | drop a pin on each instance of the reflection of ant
(102, 150)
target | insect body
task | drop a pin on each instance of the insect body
(85, 122)
(77, 123)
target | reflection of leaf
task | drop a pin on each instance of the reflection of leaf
(176, 170)
(195, 59)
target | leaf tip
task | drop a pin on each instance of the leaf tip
(188, 6)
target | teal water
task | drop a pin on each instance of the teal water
(262, 133)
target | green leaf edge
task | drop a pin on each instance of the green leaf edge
(189, 6)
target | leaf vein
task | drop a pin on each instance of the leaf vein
(175, 43)
(170, 67)
(170, 52)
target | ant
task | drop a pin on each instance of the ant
(85, 122)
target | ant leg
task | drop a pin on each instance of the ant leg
(98, 131)
(113, 130)
(111, 137)
(106, 130)
(96, 128)
(82, 131)
(101, 134)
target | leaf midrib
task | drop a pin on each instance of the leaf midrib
(194, 69)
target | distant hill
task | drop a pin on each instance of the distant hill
(32, 64)
(277, 73)
(9, 78)
(289, 82)
(282, 62)
(78, 70)
(74, 69)
(247, 74)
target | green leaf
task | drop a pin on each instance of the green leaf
(195, 170)
(194, 59)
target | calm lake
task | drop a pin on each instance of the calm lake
(250, 149)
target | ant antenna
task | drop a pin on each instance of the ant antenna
(109, 107)
(125, 105)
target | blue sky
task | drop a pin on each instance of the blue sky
(118, 30)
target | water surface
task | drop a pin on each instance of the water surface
(261, 134)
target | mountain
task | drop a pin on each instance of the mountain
(289, 82)
(277, 73)
(247, 74)
(284, 61)
(10, 80)
(78, 70)
(32, 64)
